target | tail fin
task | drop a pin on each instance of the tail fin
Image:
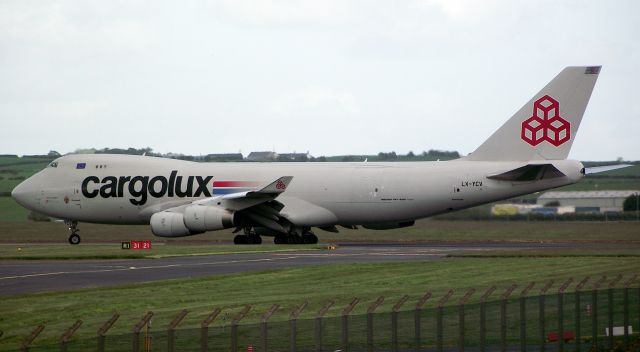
(545, 127)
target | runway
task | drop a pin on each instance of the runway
(22, 277)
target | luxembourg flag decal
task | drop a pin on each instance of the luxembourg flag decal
(228, 187)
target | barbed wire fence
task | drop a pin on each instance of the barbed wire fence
(599, 314)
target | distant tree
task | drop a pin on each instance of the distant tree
(410, 154)
(348, 158)
(441, 154)
(321, 158)
(631, 203)
(387, 156)
(53, 153)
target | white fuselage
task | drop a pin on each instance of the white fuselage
(320, 194)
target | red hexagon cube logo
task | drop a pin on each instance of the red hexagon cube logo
(546, 124)
(558, 131)
(533, 130)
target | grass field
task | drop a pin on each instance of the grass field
(288, 288)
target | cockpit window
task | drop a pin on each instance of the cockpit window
(54, 164)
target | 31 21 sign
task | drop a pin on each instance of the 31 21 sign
(136, 245)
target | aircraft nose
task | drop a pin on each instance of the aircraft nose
(21, 194)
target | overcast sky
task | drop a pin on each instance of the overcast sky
(329, 77)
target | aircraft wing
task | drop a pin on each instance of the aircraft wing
(243, 200)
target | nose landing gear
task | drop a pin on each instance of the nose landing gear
(74, 238)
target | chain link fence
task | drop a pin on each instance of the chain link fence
(601, 319)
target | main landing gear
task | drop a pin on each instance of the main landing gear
(295, 236)
(249, 237)
(307, 237)
(74, 238)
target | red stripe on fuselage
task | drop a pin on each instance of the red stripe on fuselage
(234, 184)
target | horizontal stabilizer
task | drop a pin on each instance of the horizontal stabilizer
(531, 172)
(605, 168)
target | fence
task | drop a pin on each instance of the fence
(603, 318)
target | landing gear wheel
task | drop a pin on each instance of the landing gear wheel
(254, 239)
(280, 239)
(294, 239)
(74, 239)
(309, 238)
(241, 239)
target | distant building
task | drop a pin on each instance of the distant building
(223, 157)
(293, 157)
(604, 201)
(262, 156)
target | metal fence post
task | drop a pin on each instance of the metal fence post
(594, 312)
(461, 328)
(561, 313)
(417, 316)
(264, 333)
(102, 331)
(372, 308)
(318, 325)
(577, 313)
(541, 306)
(171, 330)
(345, 323)
(234, 327)
(626, 310)
(612, 285)
(439, 327)
(483, 317)
(145, 321)
(26, 343)
(503, 317)
(67, 335)
(204, 329)
(523, 316)
(394, 322)
(293, 329)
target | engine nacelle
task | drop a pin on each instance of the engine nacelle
(207, 218)
(169, 224)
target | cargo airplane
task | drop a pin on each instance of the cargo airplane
(286, 200)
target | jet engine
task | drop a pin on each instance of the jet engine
(170, 224)
(201, 218)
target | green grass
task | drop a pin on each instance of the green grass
(12, 172)
(12, 211)
(113, 251)
(288, 288)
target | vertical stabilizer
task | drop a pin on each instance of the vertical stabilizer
(545, 127)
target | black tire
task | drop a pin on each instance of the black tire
(255, 239)
(241, 239)
(74, 239)
(280, 239)
(310, 238)
(295, 239)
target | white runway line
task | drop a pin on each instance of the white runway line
(143, 268)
